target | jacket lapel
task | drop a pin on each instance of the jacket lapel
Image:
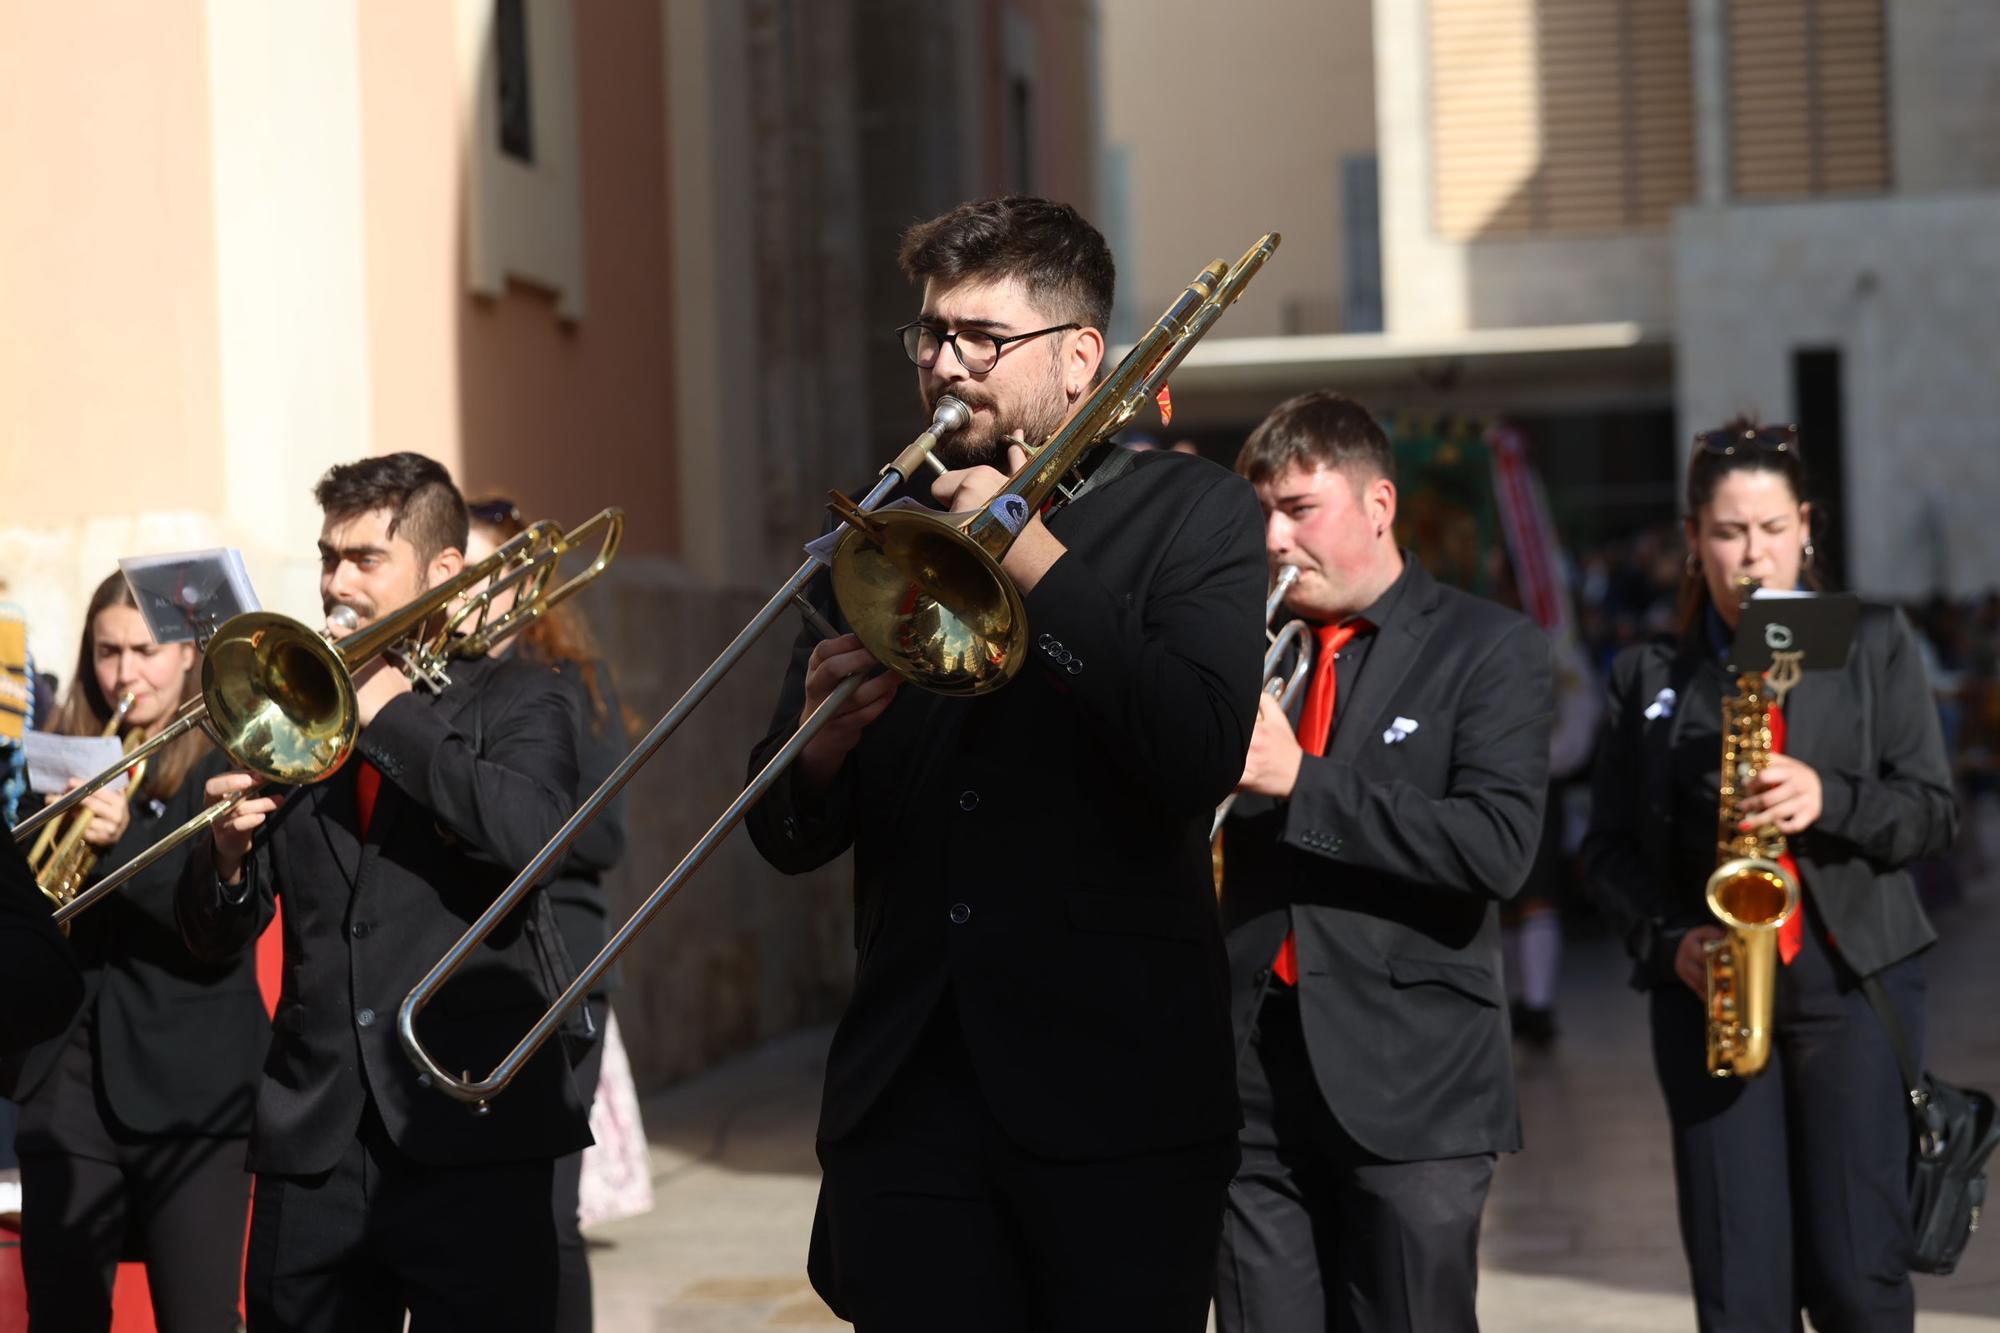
(339, 820)
(1387, 667)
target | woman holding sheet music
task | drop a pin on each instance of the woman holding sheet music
(133, 1121)
(1793, 1184)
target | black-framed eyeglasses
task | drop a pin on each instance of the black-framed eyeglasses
(494, 513)
(977, 350)
(1734, 440)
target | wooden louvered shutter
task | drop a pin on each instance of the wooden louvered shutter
(1559, 115)
(1807, 98)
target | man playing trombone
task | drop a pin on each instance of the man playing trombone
(1029, 1112)
(375, 1195)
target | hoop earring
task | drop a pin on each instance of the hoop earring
(1807, 557)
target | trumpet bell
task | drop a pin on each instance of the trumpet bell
(279, 699)
(930, 603)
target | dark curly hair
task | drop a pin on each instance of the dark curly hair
(424, 505)
(1059, 257)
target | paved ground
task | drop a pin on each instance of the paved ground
(1580, 1230)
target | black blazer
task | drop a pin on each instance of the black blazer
(1870, 730)
(1042, 850)
(1390, 861)
(40, 984)
(178, 1040)
(474, 781)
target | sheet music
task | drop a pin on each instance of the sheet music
(53, 760)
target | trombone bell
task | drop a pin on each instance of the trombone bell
(930, 605)
(280, 701)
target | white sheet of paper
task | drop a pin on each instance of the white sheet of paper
(821, 547)
(54, 760)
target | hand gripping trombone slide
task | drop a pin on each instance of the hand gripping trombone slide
(925, 593)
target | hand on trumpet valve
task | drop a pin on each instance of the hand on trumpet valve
(1272, 767)
(110, 813)
(834, 660)
(233, 832)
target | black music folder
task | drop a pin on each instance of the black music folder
(1819, 626)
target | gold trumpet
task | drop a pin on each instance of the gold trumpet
(1290, 641)
(1750, 892)
(924, 592)
(60, 859)
(278, 697)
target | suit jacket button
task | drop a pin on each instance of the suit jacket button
(364, 1018)
(968, 801)
(791, 823)
(359, 930)
(1334, 846)
(960, 914)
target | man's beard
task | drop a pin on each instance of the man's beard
(985, 441)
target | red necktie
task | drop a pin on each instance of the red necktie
(367, 782)
(1315, 726)
(1791, 935)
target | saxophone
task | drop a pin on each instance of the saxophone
(1750, 892)
(60, 858)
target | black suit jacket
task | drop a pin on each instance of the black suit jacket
(178, 1041)
(1390, 861)
(474, 781)
(40, 984)
(1870, 730)
(1042, 850)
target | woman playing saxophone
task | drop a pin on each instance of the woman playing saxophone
(1792, 1184)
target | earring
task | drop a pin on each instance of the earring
(1807, 555)
(1693, 564)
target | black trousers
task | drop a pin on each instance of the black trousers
(931, 1218)
(1794, 1185)
(1321, 1234)
(94, 1193)
(349, 1250)
(573, 1305)
(178, 1204)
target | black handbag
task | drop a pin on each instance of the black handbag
(1953, 1133)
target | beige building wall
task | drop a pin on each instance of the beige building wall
(109, 384)
(1435, 285)
(1903, 288)
(1228, 122)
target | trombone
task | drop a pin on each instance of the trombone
(926, 595)
(1289, 641)
(277, 696)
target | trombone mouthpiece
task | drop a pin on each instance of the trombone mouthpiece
(342, 617)
(950, 415)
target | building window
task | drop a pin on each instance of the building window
(1559, 115)
(1807, 98)
(1361, 245)
(510, 41)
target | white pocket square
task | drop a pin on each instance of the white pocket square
(1662, 706)
(1399, 730)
